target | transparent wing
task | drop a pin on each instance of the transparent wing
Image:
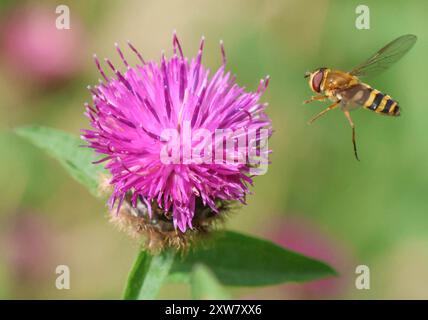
(385, 57)
(350, 105)
(354, 97)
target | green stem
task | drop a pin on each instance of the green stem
(148, 274)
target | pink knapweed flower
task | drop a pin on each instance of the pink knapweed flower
(132, 111)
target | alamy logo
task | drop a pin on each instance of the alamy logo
(63, 19)
(242, 146)
(63, 279)
(362, 282)
(362, 22)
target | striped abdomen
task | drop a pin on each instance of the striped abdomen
(381, 103)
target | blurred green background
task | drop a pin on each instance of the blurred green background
(316, 198)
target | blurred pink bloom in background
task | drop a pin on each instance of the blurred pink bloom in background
(307, 238)
(29, 247)
(34, 49)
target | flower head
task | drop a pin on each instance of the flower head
(159, 126)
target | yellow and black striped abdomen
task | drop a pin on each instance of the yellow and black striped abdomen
(381, 103)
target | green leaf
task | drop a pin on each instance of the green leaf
(68, 150)
(205, 286)
(241, 260)
(148, 274)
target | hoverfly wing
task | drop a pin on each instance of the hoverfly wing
(355, 96)
(385, 57)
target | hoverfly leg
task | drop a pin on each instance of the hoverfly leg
(334, 105)
(315, 98)
(348, 116)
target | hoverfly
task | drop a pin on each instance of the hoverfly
(347, 91)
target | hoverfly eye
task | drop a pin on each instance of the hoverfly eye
(316, 81)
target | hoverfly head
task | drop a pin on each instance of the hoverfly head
(315, 79)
